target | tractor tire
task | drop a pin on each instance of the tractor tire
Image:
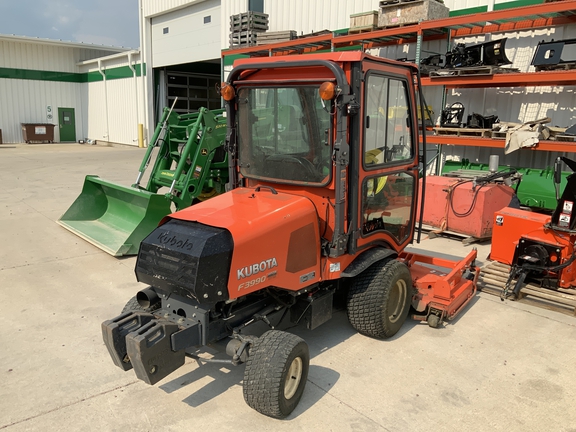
(134, 306)
(379, 299)
(276, 373)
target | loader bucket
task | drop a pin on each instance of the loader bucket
(113, 217)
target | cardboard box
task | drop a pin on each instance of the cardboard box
(364, 20)
(410, 12)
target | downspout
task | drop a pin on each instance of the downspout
(135, 85)
(143, 74)
(105, 99)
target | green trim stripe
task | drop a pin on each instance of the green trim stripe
(469, 11)
(36, 75)
(517, 3)
(71, 77)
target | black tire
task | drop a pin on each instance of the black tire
(134, 306)
(379, 299)
(276, 373)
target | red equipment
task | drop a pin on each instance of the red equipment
(463, 206)
(538, 247)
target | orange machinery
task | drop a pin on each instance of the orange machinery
(539, 247)
(320, 207)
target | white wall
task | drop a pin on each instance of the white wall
(188, 39)
(303, 16)
(25, 100)
(114, 107)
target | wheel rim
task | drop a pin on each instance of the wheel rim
(293, 378)
(397, 299)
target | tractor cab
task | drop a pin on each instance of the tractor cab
(339, 129)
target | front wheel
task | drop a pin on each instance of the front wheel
(379, 299)
(276, 373)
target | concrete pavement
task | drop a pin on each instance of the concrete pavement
(500, 366)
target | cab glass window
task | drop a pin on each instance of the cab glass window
(387, 204)
(284, 135)
(387, 134)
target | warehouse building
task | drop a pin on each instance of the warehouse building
(187, 47)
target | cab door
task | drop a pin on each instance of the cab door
(387, 159)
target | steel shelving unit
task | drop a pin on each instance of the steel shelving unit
(506, 20)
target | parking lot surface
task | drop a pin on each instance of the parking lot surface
(500, 366)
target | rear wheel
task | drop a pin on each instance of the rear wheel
(379, 299)
(276, 373)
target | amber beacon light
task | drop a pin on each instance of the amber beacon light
(227, 91)
(327, 91)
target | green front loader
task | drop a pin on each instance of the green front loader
(191, 165)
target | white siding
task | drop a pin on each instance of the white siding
(188, 39)
(41, 56)
(25, 101)
(465, 4)
(115, 106)
(303, 16)
(155, 7)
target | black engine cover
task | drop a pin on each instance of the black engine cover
(188, 259)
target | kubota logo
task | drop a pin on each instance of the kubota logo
(166, 240)
(253, 269)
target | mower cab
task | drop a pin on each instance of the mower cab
(324, 161)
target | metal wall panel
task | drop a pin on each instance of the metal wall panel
(155, 7)
(25, 101)
(465, 4)
(45, 57)
(188, 38)
(303, 16)
(114, 107)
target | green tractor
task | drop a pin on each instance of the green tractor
(190, 162)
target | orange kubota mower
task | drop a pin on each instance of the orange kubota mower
(323, 164)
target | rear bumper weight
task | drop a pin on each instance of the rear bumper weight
(114, 332)
(154, 347)
(150, 351)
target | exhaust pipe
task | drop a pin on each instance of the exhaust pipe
(147, 298)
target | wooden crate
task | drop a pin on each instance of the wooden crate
(364, 20)
(410, 12)
(244, 38)
(249, 21)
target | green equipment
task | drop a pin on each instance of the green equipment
(191, 162)
(535, 190)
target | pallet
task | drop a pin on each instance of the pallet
(498, 135)
(494, 275)
(483, 133)
(365, 29)
(276, 37)
(559, 66)
(568, 138)
(249, 21)
(476, 71)
(244, 38)
(433, 232)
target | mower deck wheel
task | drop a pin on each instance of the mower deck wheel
(433, 320)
